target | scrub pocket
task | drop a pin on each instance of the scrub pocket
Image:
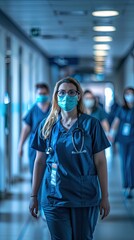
(89, 188)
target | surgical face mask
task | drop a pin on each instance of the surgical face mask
(89, 103)
(42, 98)
(129, 98)
(67, 103)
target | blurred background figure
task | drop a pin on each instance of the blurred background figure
(113, 110)
(92, 108)
(35, 115)
(98, 101)
(111, 115)
(124, 123)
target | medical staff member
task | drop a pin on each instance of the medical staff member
(35, 115)
(92, 108)
(124, 123)
(70, 145)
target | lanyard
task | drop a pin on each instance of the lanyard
(127, 115)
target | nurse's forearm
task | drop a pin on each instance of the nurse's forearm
(39, 168)
(101, 166)
(24, 134)
(102, 175)
(105, 125)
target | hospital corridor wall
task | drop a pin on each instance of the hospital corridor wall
(21, 66)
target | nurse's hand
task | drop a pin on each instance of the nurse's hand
(104, 207)
(33, 206)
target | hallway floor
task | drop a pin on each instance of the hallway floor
(17, 224)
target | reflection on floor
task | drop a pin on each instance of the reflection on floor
(17, 224)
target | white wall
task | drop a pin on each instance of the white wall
(39, 73)
(2, 132)
(15, 106)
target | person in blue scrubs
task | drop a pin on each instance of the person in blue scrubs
(113, 110)
(92, 108)
(70, 148)
(124, 123)
(35, 115)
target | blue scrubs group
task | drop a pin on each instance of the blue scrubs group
(125, 138)
(70, 185)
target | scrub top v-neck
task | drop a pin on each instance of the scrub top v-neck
(76, 177)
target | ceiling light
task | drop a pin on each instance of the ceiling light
(99, 64)
(99, 69)
(96, 64)
(101, 47)
(105, 13)
(99, 58)
(100, 53)
(102, 39)
(104, 28)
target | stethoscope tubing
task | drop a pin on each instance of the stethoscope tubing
(77, 129)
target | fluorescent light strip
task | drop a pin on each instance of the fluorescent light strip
(104, 28)
(99, 67)
(101, 47)
(105, 13)
(99, 64)
(102, 39)
(100, 53)
(99, 71)
(99, 58)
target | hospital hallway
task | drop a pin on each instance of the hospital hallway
(60, 61)
(17, 224)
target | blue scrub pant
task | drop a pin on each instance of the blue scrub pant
(71, 223)
(127, 164)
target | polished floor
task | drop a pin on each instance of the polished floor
(17, 224)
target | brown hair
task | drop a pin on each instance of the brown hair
(95, 99)
(125, 105)
(42, 85)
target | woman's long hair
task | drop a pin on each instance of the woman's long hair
(55, 110)
(125, 104)
(95, 106)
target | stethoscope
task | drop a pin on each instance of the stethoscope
(81, 132)
(77, 130)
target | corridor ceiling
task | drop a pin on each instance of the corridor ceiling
(66, 26)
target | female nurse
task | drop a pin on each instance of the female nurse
(124, 123)
(93, 109)
(70, 147)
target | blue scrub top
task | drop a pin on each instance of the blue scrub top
(99, 113)
(33, 118)
(76, 177)
(126, 116)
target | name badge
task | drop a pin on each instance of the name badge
(126, 129)
(53, 174)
